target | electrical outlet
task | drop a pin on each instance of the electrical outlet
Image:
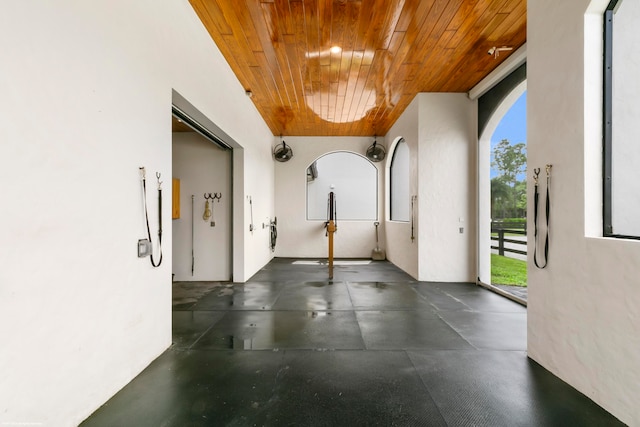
(461, 230)
(213, 223)
(144, 248)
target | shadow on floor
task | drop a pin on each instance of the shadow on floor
(373, 347)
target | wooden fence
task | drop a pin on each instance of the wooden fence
(501, 228)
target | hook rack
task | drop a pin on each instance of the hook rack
(215, 196)
(208, 212)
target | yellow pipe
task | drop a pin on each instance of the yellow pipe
(331, 228)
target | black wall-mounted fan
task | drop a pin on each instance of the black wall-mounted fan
(282, 152)
(375, 152)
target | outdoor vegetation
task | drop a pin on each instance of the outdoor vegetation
(509, 187)
(508, 271)
(508, 210)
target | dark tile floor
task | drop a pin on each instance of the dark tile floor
(370, 348)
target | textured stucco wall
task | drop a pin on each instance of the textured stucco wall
(299, 237)
(87, 90)
(401, 250)
(584, 308)
(447, 187)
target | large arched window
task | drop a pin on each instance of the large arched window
(399, 183)
(354, 181)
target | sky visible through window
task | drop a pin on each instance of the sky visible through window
(512, 127)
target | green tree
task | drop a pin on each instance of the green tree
(521, 198)
(510, 160)
(500, 198)
(508, 194)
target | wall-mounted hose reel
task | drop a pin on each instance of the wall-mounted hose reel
(273, 233)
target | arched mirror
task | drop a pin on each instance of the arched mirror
(354, 181)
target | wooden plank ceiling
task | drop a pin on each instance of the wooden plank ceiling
(350, 68)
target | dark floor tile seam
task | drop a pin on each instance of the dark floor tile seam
(456, 331)
(204, 333)
(364, 343)
(456, 299)
(275, 300)
(468, 308)
(425, 299)
(426, 387)
(346, 285)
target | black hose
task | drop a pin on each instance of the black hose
(273, 234)
(146, 217)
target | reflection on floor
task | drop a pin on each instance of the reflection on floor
(372, 347)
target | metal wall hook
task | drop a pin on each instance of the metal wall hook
(536, 173)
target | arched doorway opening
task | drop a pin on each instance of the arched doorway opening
(485, 178)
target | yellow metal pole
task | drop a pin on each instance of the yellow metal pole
(331, 228)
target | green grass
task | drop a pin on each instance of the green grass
(508, 271)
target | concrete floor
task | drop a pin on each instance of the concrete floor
(372, 347)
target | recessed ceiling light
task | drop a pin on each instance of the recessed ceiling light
(335, 49)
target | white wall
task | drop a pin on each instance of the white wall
(401, 250)
(440, 130)
(584, 308)
(299, 237)
(87, 100)
(259, 185)
(202, 167)
(447, 187)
